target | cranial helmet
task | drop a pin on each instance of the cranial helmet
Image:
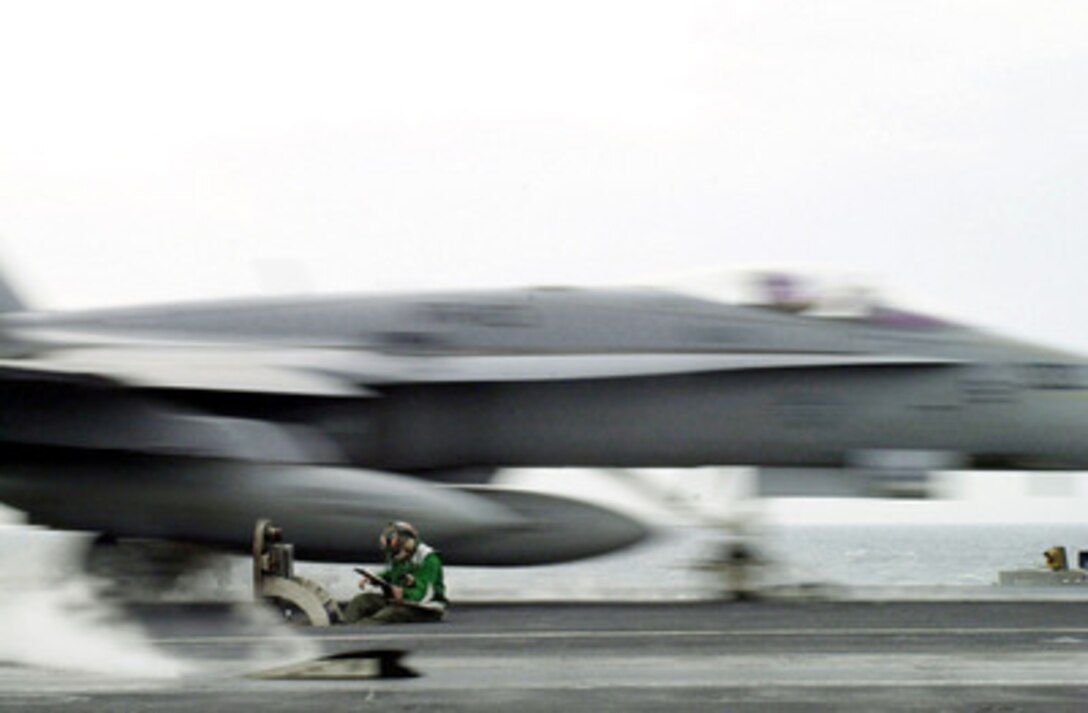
(398, 539)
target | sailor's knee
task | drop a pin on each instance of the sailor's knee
(391, 614)
(363, 606)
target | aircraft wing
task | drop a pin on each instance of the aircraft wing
(54, 409)
(93, 449)
(186, 367)
(377, 369)
(329, 372)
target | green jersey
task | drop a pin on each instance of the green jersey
(420, 576)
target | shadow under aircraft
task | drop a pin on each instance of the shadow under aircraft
(332, 415)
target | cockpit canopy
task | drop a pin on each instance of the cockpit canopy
(824, 296)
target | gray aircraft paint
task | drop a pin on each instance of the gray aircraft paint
(427, 384)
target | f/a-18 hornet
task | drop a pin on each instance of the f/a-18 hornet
(327, 414)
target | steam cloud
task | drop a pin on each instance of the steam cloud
(53, 617)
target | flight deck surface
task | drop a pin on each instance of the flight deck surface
(738, 656)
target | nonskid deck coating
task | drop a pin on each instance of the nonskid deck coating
(797, 655)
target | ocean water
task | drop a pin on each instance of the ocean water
(860, 559)
(918, 555)
(845, 560)
(954, 545)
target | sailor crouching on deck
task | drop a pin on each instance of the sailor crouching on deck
(412, 585)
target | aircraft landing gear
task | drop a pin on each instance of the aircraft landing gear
(300, 600)
(738, 566)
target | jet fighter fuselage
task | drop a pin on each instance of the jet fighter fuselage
(435, 385)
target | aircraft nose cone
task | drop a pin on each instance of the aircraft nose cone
(553, 529)
(336, 514)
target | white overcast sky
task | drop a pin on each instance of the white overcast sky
(156, 151)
